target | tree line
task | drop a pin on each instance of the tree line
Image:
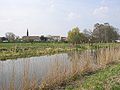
(101, 33)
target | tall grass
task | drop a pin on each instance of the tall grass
(62, 72)
(24, 83)
(18, 50)
(80, 64)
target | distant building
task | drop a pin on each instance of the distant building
(56, 38)
(53, 38)
(63, 38)
(3, 39)
(48, 38)
(30, 38)
(118, 40)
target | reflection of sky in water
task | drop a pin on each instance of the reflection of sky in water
(40, 66)
(36, 66)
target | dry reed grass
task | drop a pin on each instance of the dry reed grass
(60, 73)
(80, 64)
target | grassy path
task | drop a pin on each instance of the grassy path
(106, 79)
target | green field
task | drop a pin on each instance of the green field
(104, 79)
(21, 50)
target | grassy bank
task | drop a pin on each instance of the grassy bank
(21, 50)
(83, 66)
(87, 70)
(104, 79)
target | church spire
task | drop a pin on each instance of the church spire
(27, 32)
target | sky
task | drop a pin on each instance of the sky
(55, 17)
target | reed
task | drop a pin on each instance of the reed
(25, 82)
(85, 63)
(62, 73)
(18, 50)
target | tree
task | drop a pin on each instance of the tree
(105, 32)
(42, 38)
(87, 35)
(75, 37)
(17, 39)
(10, 36)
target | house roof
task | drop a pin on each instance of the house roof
(30, 37)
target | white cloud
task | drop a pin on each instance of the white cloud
(51, 6)
(5, 20)
(52, 3)
(101, 12)
(72, 16)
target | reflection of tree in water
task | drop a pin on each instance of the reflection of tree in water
(81, 55)
(74, 58)
(74, 55)
(84, 60)
(94, 54)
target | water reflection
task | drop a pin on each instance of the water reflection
(18, 72)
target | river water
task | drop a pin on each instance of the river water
(40, 67)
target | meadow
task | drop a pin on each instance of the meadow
(22, 50)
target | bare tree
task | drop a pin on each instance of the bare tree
(10, 36)
(105, 32)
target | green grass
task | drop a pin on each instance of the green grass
(104, 79)
(20, 50)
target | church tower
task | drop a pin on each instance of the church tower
(27, 32)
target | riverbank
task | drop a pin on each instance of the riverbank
(70, 71)
(104, 79)
(22, 50)
(83, 66)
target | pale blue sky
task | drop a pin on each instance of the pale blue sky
(55, 17)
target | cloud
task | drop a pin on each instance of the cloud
(72, 16)
(51, 6)
(101, 12)
(5, 20)
(52, 3)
